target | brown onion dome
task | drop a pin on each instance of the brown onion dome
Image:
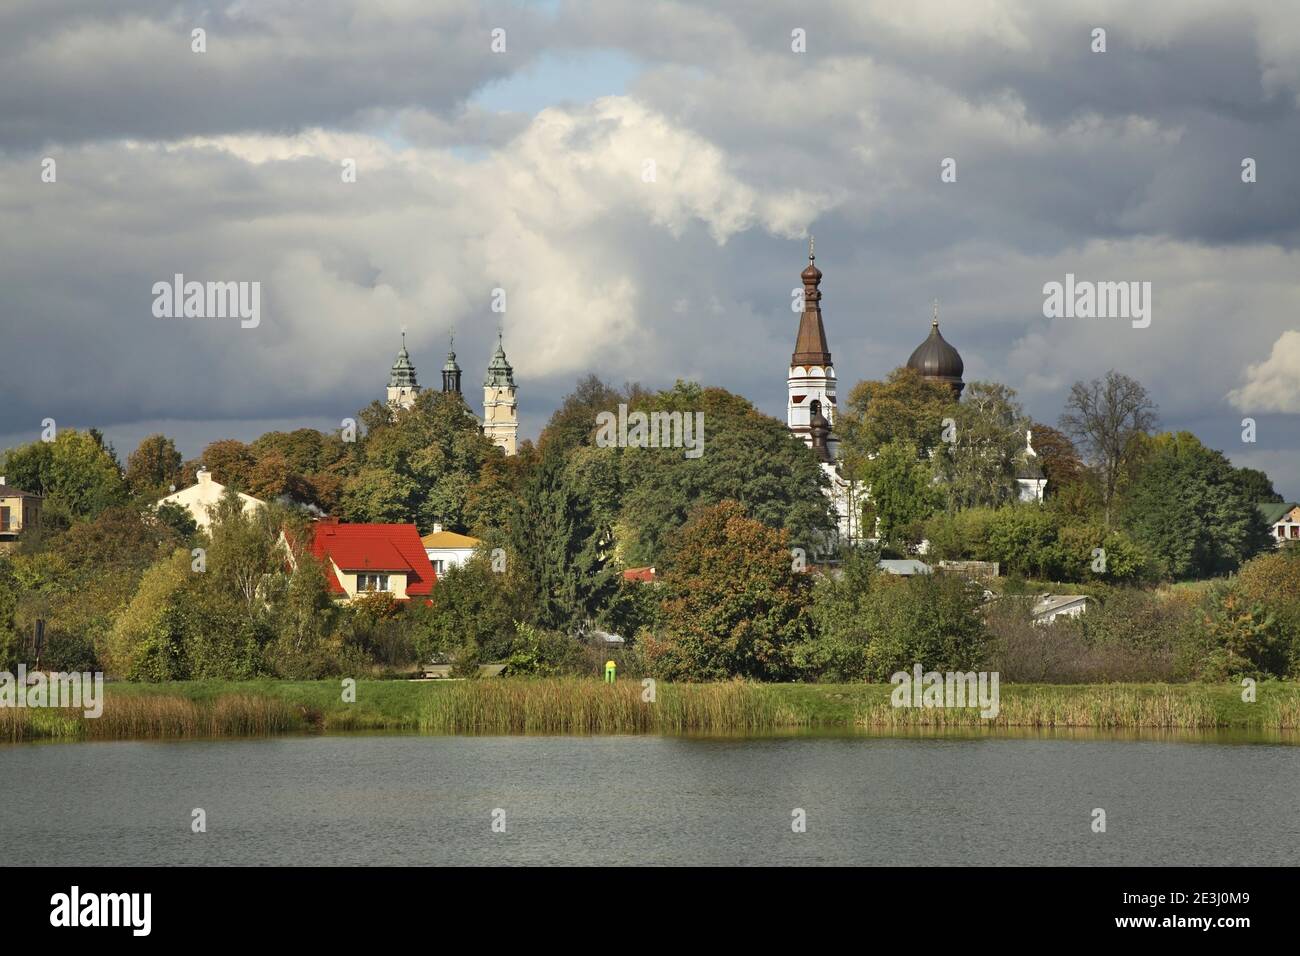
(938, 361)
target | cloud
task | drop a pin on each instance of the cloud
(1115, 166)
(1273, 385)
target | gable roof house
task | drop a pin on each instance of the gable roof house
(1283, 519)
(447, 549)
(204, 495)
(369, 558)
(1049, 607)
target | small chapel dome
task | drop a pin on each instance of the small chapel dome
(935, 359)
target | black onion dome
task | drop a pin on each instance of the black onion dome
(937, 360)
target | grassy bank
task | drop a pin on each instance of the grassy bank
(574, 706)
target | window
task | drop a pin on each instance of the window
(372, 582)
(1295, 531)
(437, 566)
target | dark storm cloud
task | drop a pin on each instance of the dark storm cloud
(1120, 166)
(75, 71)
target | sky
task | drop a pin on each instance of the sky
(641, 179)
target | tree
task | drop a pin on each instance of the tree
(905, 407)
(562, 550)
(154, 467)
(231, 463)
(1104, 417)
(979, 465)
(475, 612)
(418, 465)
(1058, 458)
(747, 457)
(733, 604)
(903, 493)
(75, 473)
(1188, 511)
(1256, 486)
(573, 424)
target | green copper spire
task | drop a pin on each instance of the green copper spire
(403, 374)
(500, 374)
(450, 370)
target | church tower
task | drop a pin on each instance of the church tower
(402, 386)
(500, 408)
(450, 370)
(810, 410)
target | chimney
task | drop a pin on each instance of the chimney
(2, 480)
(203, 476)
(437, 525)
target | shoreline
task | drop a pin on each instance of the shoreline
(586, 707)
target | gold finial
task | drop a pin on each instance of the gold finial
(811, 254)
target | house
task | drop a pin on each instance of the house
(447, 549)
(202, 497)
(641, 575)
(1283, 518)
(1049, 607)
(904, 568)
(18, 510)
(371, 558)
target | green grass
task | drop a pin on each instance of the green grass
(580, 706)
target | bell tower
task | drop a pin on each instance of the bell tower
(500, 407)
(402, 386)
(812, 375)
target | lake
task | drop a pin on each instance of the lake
(418, 800)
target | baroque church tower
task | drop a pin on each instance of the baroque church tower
(500, 408)
(810, 385)
(402, 386)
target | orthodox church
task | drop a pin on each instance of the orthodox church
(811, 401)
(500, 406)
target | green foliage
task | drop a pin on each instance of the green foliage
(928, 619)
(904, 408)
(75, 473)
(1188, 511)
(903, 494)
(733, 606)
(748, 457)
(837, 651)
(475, 613)
(978, 467)
(419, 464)
(563, 552)
(542, 653)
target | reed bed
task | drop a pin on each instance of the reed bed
(156, 716)
(573, 706)
(1102, 707)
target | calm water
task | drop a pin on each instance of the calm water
(651, 800)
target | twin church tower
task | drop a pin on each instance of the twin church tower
(500, 407)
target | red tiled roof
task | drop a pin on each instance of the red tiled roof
(639, 574)
(374, 547)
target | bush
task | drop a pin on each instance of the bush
(928, 619)
(543, 653)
